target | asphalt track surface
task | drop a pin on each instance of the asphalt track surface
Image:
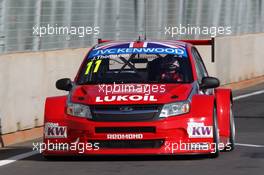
(247, 158)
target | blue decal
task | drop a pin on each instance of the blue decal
(114, 51)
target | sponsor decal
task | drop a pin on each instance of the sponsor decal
(199, 130)
(107, 98)
(53, 130)
(124, 136)
(176, 51)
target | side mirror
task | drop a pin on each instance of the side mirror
(209, 82)
(64, 84)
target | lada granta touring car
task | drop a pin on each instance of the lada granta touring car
(140, 97)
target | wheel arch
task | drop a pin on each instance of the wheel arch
(55, 109)
(223, 100)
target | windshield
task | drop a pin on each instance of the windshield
(136, 68)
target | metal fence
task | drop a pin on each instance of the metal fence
(118, 19)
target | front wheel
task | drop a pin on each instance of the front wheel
(215, 135)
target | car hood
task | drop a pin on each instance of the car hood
(130, 93)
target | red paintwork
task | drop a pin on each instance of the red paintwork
(90, 92)
(171, 129)
(198, 42)
(102, 41)
(223, 102)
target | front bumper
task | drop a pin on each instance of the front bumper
(165, 136)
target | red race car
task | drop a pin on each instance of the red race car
(140, 98)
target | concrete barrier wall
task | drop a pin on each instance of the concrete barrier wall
(28, 78)
(237, 58)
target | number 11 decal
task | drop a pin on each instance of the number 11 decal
(89, 65)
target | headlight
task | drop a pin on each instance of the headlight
(175, 109)
(79, 110)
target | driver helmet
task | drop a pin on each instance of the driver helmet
(173, 66)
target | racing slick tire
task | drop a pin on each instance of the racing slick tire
(231, 142)
(50, 158)
(55, 157)
(215, 154)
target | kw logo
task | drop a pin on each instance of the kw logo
(53, 130)
(198, 130)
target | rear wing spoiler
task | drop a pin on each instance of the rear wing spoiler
(102, 41)
(210, 42)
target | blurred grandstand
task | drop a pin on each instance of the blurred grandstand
(119, 19)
